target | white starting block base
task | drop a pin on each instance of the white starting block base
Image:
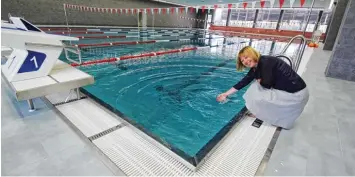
(62, 77)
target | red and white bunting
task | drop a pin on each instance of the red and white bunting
(215, 6)
(291, 3)
(262, 3)
(229, 6)
(177, 10)
(236, 5)
(253, 4)
(281, 3)
(302, 2)
(245, 4)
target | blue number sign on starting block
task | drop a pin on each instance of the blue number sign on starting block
(33, 62)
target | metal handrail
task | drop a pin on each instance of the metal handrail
(287, 58)
(75, 50)
(299, 53)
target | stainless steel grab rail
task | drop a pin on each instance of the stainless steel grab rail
(74, 50)
(299, 53)
(287, 58)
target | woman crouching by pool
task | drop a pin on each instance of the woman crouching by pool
(279, 94)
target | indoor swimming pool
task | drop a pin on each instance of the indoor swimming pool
(172, 98)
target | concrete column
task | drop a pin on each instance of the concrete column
(228, 16)
(318, 20)
(280, 19)
(334, 25)
(272, 47)
(256, 17)
(342, 61)
(213, 16)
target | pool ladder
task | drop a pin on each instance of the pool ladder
(74, 50)
(295, 65)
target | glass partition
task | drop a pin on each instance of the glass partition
(242, 17)
(267, 19)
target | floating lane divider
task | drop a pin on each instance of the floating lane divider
(114, 44)
(127, 57)
(135, 42)
(114, 36)
(143, 55)
(79, 32)
(126, 32)
(100, 37)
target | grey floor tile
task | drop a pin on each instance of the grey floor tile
(286, 165)
(323, 163)
(349, 159)
(12, 127)
(346, 133)
(27, 153)
(93, 168)
(74, 161)
(75, 156)
(62, 141)
(21, 138)
(41, 168)
(46, 125)
(326, 141)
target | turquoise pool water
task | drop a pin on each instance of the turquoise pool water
(173, 96)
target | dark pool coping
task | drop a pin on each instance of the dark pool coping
(193, 160)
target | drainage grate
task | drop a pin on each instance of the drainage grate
(103, 133)
(72, 100)
(257, 123)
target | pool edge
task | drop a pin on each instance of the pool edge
(200, 157)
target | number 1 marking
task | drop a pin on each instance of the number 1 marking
(35, 61)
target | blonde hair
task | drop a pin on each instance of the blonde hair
(247, 52)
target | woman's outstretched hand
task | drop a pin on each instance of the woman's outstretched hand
(222, 97)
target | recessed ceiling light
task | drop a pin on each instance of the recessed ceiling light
(220, 1)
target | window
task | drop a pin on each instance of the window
(268, 18)
(221, 17)
(297, 19)
(242, 17)
(324, 21)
